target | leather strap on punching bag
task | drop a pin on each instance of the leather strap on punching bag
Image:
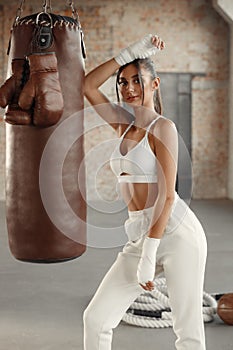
(34, 235)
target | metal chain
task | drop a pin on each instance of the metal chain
(47, 6)
(74, 11)
(19, 11)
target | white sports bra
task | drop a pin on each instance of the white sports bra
(139, 162)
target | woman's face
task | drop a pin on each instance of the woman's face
(130, 88)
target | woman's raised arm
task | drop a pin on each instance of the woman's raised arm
(110, 112)
(93, 81)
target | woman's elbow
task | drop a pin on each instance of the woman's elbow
(169, 199)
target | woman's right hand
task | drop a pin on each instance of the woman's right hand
(145, 47)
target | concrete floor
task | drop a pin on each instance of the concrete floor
(41, 306)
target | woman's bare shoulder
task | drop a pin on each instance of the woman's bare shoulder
(164, 125)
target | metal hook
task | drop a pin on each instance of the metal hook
(47, 14)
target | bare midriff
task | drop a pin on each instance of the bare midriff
(138, 196)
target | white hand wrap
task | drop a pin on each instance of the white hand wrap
(140, 49)
(147, 263)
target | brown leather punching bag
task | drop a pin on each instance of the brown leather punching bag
(46, 223)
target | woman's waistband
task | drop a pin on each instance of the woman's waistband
(137, 178)
(148, 211)
(135, 213)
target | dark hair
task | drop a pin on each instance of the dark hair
(149, 65)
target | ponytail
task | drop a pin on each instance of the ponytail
(158, 105)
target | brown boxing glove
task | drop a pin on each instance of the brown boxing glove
(10, 91)
(43, 90)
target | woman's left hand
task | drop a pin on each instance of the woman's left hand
(147, 262)
(158, 42)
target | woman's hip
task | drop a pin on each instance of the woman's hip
(181, 219)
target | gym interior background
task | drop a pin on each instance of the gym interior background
(42, 305)
(195, 66)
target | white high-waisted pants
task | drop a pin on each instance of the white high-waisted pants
(181, 256)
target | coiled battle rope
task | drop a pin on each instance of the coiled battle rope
(152, 309)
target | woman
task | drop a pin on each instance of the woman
(164, 234)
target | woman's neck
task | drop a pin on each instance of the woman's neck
(143, 116)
